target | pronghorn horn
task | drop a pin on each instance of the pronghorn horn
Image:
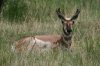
(60, 15)
(76, 14)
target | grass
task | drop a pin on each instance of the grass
(40, 18)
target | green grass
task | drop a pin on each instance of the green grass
(37, 17)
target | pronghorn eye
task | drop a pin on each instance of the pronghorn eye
(62, 22)
(73, 22)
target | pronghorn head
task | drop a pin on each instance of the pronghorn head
(67, 22)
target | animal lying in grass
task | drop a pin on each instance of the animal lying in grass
(48, 42)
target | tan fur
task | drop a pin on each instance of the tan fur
(50, 38)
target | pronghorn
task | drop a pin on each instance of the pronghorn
(47, 42)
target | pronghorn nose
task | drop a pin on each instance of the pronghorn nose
(69, 30)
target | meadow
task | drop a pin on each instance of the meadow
(20, 18)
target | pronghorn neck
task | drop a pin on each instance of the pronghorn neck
(66, 38)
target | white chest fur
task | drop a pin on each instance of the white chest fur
(42, 44)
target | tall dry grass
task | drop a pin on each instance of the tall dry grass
(40, 18)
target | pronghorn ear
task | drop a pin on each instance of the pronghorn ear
(60, 14)
(75, 16)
